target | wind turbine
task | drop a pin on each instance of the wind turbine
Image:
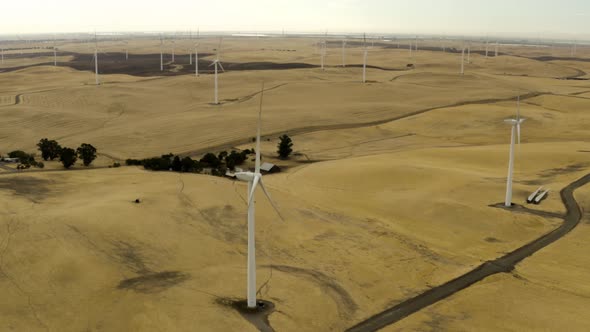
(463, 61)
(96, 60)
(344, 53)
(173, 47)
(515, 123)
(496, 55)
(126, 51)
(217, 63)
(254, 179)
(365, 51)
(197, 60)
(322, 53)
(468, 52)
(54, 53)
(161, 54)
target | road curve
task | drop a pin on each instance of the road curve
(505, 263)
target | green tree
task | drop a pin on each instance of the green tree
(49, 149)
(285, 147)
(68, 157)
(176, 164)
(87, 153)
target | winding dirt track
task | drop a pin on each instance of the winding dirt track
(504, 264)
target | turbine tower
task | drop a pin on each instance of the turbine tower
(322, 53)
(463, 61)
(515, 123)
(254, 180)
(54, 53)
(197, 60)
(96, 60)
(217, 63)
(496, 54)
(344, 53)
(365, 51)
(161, 54)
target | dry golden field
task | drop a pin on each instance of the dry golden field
(387, 195)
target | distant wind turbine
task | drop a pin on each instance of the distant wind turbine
(496, 55)
(322, 53)
(197, 60)
(469, 53)
(217, 63)
(173, 49)
(96, 60)
(54, 53)
(515, 123)
(254, 180)
(344, 53)
(161, 54)
(463, 61)
(365, 52)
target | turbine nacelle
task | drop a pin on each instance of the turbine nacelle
(245, 176)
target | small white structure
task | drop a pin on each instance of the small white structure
(11, 160)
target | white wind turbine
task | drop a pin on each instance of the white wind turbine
(196, 60)
(344, 53)
(322, 53)
(365, 52)
(254, 179)
(217, 63)
(496, 54)
(515, 134)
(173, 49)
(54, 53)
(96, 60)
(161, 54)
(463, 61)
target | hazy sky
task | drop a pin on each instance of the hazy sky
(533, 18)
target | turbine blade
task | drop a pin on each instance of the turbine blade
(274, 206)
(257, 168)
(251, 193)
(221, 66)
(518, 133)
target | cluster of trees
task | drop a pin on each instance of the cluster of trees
(217, 163)
(50, 150)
